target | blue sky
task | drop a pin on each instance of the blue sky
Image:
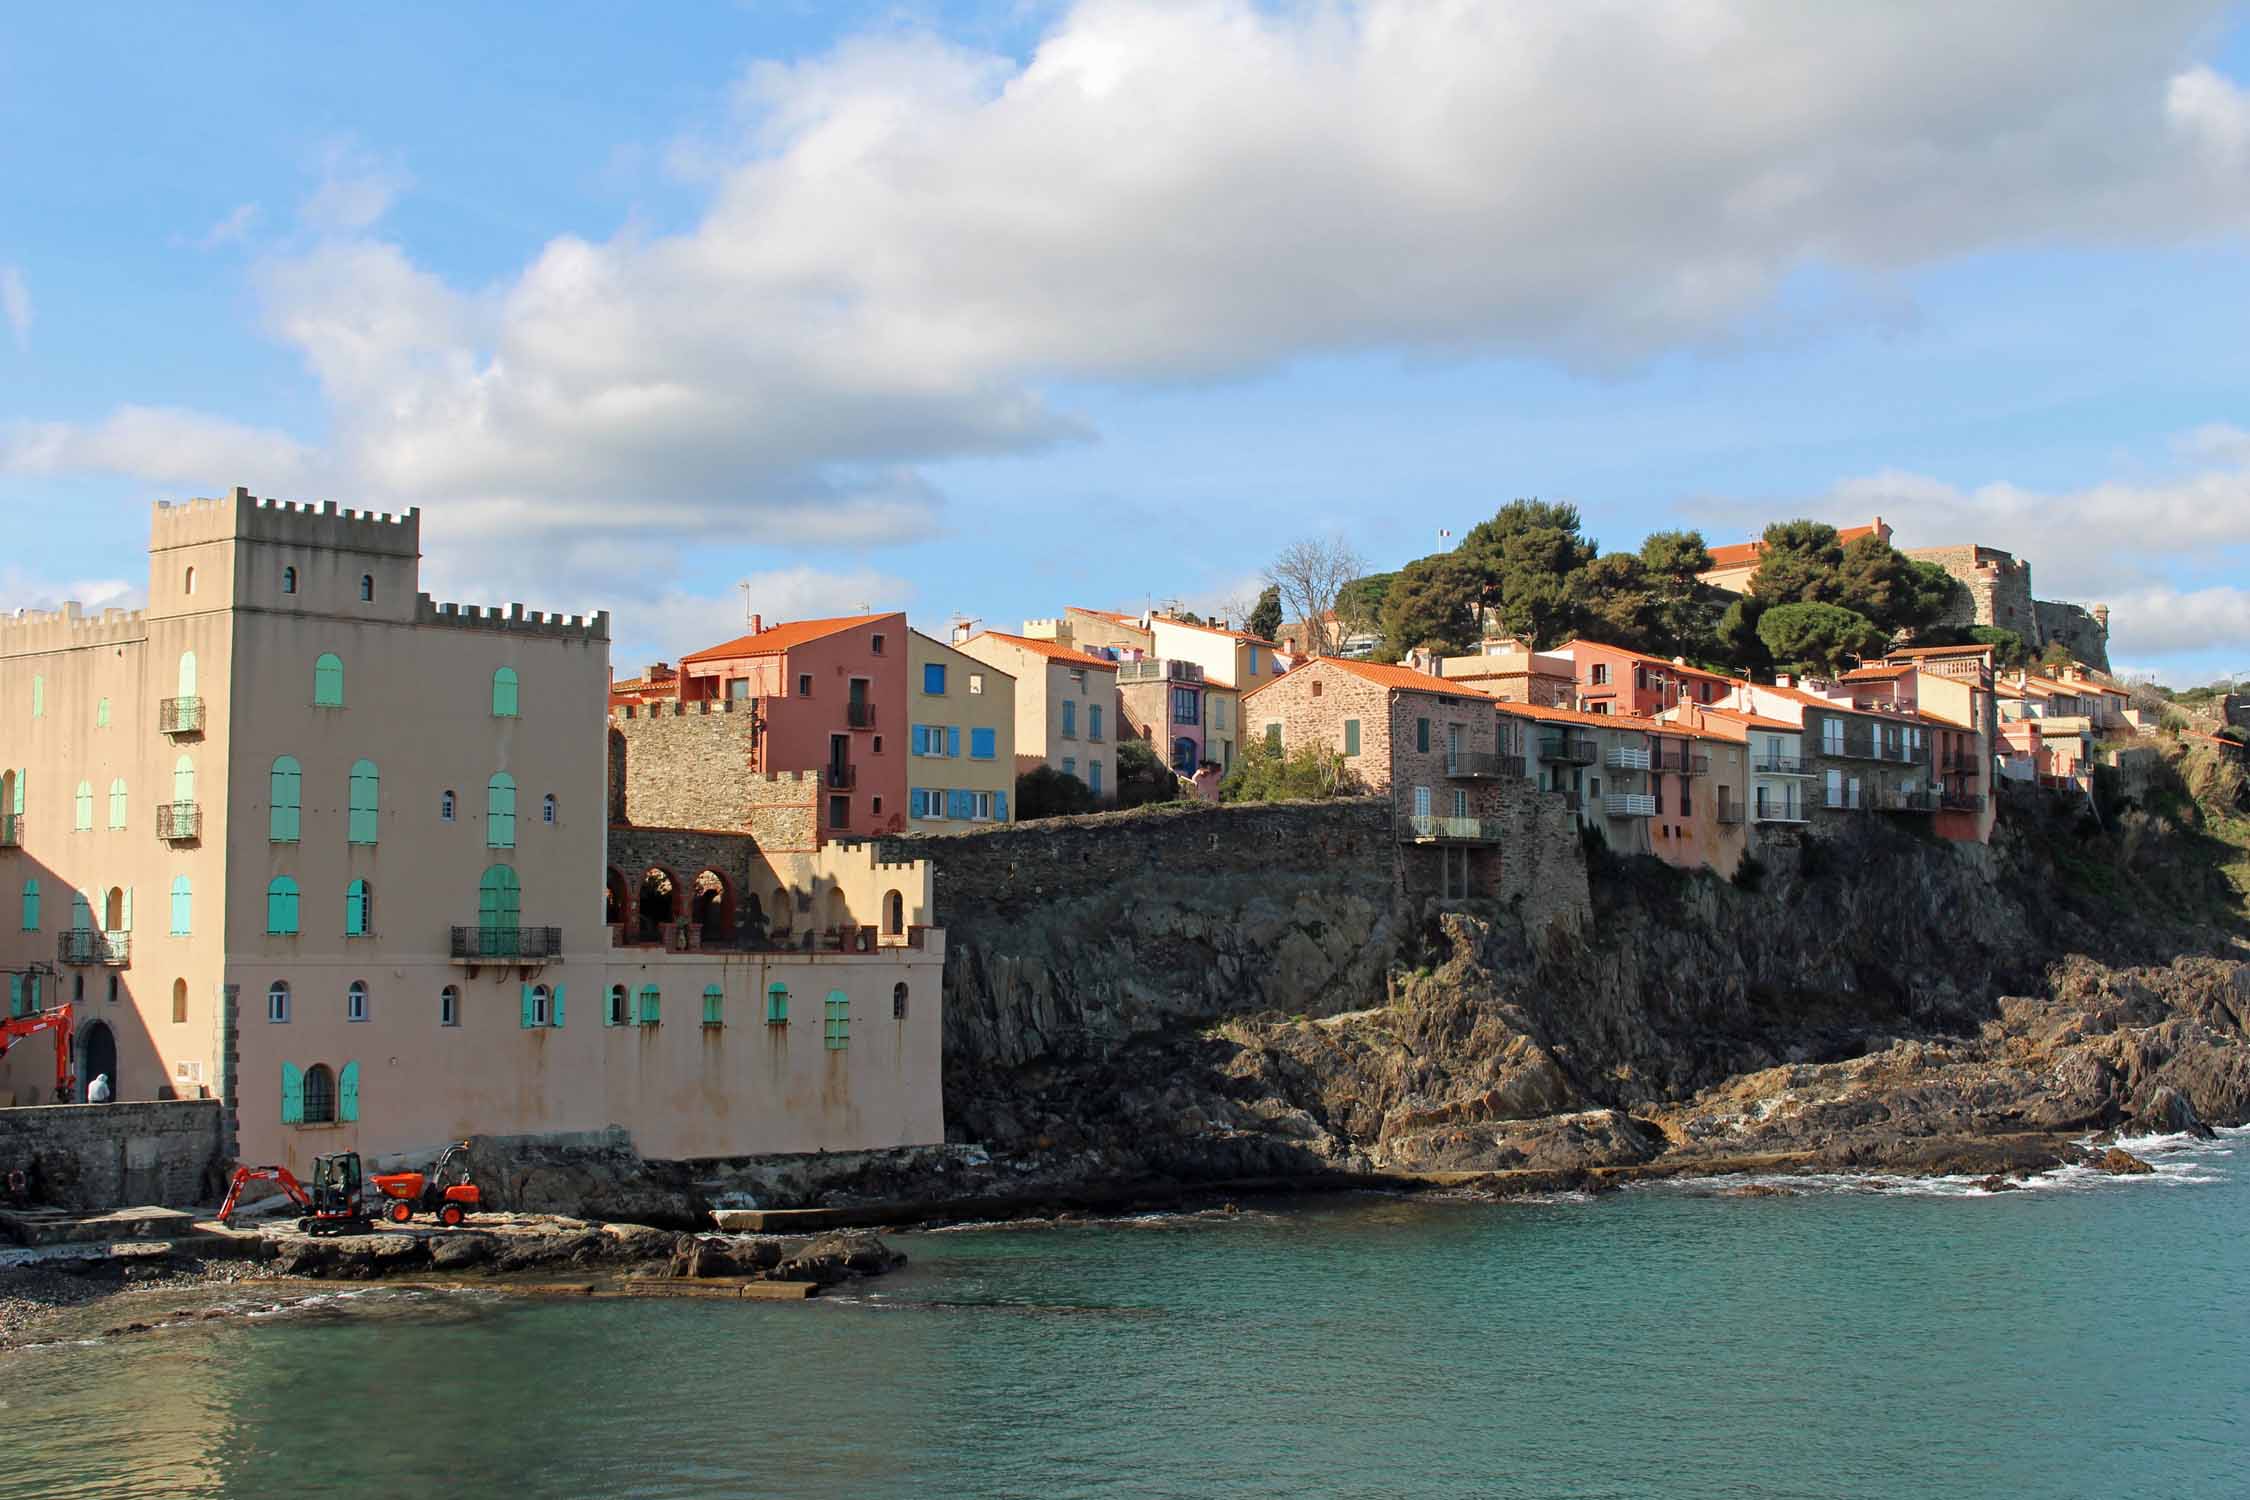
(992, 308)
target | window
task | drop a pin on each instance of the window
(1687, 796)
(359, 914)
(1422, 803)
(619, 1012)
(367, 588)
(898, 1001)
(179, 1002)
(1599, 674)
(82, 808)
(923, 802)
(328, 680)
(1187, 706)
(1316, 687)
(984, 744)
(538, 1007)
(187, 674)
(1253, 661)
(1070, 719)
(1093, 778)
(875, 644)
(1351, 736)
(117, 803)
(836, 1031)
(738, 690)
(318, 1102)
(1093, 721)
(1070, 765)
(1218, 713)
(1460, 802)
(804, 684)
(933, 679)
(1273, 739)
(355, 1001)
(976, 683)
(445, 806)
(187, 582)
(277, 1002)
(281, 907)
(366, 802)
(1422, 735)
(289, 580)
(500, 811)
(1832, 736)
(839, 812)
(714, 1006)
(777, 1005)
(547, 808)
(183, 780)
(81, 912)
(449, 1006)
(652, 1006)
(183, 906)
(284, 817)
(504, 693)
(31, 906)
(101, 714)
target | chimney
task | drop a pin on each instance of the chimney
(1782, 680)
(757, 624)
(961, 630)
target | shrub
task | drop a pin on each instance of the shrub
(1048, 793)
(1309, 773)
(1142, 776)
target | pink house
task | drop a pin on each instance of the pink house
(831, 698)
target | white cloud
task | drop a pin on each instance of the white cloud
(665, 624)
(164, 444)
(231, 230)
(2163, 620)
(15, 305)
(2212, 111)
(25, 590)
(356, 189)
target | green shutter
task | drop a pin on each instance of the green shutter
(292, 1095)
(1351, 736)
(777, 1005)
(15, 994)
(347, 1093)
(837, 1028)
(652, 1005)
(558, 1005)
(366, 795)
(714, 1005)
(504, 693)
(528, 1022)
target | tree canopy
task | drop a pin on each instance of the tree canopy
(1818, 637)
(1265, 615)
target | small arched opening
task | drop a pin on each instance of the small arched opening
(320, 1095)
(367, 588)
(659, 903)
(113, 910)
(781, 912)
(839, 909)
(187, 583)
(713, 907)
(894, 914)
(179, 1002)
(620, 1006)
(289, 580)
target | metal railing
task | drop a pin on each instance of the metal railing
(179, 821)
(1158, 669)
(1680, 763)
(179, 716)
(1780, 765)
(1480, 765)
(1781, 812)
(860, 715)
(1730, 813)
(1629, 805)
(841, 778)
(1569, 749)
(83, 945)
(1627, 758)
(1898, 799)
(1961, 801)
(507, 942)
(1428, 828)
(11, 830)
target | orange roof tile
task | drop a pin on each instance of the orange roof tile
(1546, 714)
(1878, 673)
(1735, 554)
(1382, 674)
(1655, 661)
(1048, 649)
(1754, 721)
(781, 637)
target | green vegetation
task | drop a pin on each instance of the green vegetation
(1142, 776)
(1265, 615)
(1818, 637)
(1048, 793)
(1309, 773)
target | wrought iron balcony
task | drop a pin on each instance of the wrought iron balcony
(83, 945)
(1680, 763)
(1426, 829)
(1952, 801)
(1730, 813)
(179, 716)
(1780, 765)
(1962, 765)
(11, 830)
(513, 944)
(1629, 805)
(1569, 749)
(179, 822)
(1627, 758)
(1898, 799)
(1781, 812)
(840, 778)
(860, 715)
(1482, 765)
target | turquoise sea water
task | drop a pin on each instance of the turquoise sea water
(2087, 1338)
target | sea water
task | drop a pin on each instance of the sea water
(2089, 1336)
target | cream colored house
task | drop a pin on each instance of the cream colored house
(1066, 705)
(342, 872)
(961, 743)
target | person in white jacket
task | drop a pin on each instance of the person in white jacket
(98, 1093)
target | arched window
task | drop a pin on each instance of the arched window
(898, 1001)
(289, 580)
(179, 1002)
(183, 779)
(281, 907)
(500, 811)
(894, 913)
(117, 802)
(31, 906)
(320, 1095)
(366, 799)
(714, 1006)
(445, 806)
(82, 808)
(449, 1006)
(367, 587)
(620, 1012)
(183, 906)
(504, 693)
(277, 1001)
(187, 583)
(359, 909)
(117, 910)
(538, 1006)
(81, 912)
(284, 805)
(355, 1001)
(547, 808)
(187, 674)
(328, 680)
(499, 900)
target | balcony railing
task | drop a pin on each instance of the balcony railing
(1781, 812)
(1482, 765)
(1436, 830)
(1971, 802)
(11, 830)
(1629, 805)
(840, 778)
(1160, 669)
(1962, 765)
(1569, 749)
(177, 822)
(1730, 813)
(1627, 758)
(1899, 799)
(860, 715)
(179, 716)
(1680, 763)
(515, 943)
(83, 945)
(1780, 765)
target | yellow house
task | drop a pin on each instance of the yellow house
(961, 736)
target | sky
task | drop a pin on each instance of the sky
(990, 308)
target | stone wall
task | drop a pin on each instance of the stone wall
(2084, 632)
(1998, 588)
(90, 1158)
(695, 765)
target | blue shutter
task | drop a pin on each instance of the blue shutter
(15, 994)
(962, 805)
(953, 741)
(982, 744)
(347, 1093)
(558, 1005)
(292, 1095)
(1000, 806)
(528, 1023)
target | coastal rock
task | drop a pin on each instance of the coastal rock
(460, 1251)
(838, 1257)
(2168, 1112)
(2119, 1162)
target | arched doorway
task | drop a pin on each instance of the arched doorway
(113, 910)
(658, 904)
(713, 908)
(839, 909)
(97, 1057)
(894, 914)
(615, 897)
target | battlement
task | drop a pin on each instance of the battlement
(516, 619)
(246, 517)
(673, 708)
(31, 632)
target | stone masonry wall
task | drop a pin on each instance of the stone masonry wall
(90, 1158)
(2075, 627)
(695, 765)
(1999, 587)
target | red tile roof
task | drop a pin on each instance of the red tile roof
(1642, 656)
(1878, 673)
(1754, 721)
(1546, 714)
(1048, 649)
(1382, 674)
(1735, 554)
(782, 637)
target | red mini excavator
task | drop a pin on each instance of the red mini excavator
(446, 1191)
(57, 1020)
(336, 1203)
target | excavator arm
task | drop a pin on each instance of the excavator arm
(282, 1175)
(15, 1029)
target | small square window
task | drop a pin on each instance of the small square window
(804, 684)
(976, 683)
(875, 806)
(875, 644)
